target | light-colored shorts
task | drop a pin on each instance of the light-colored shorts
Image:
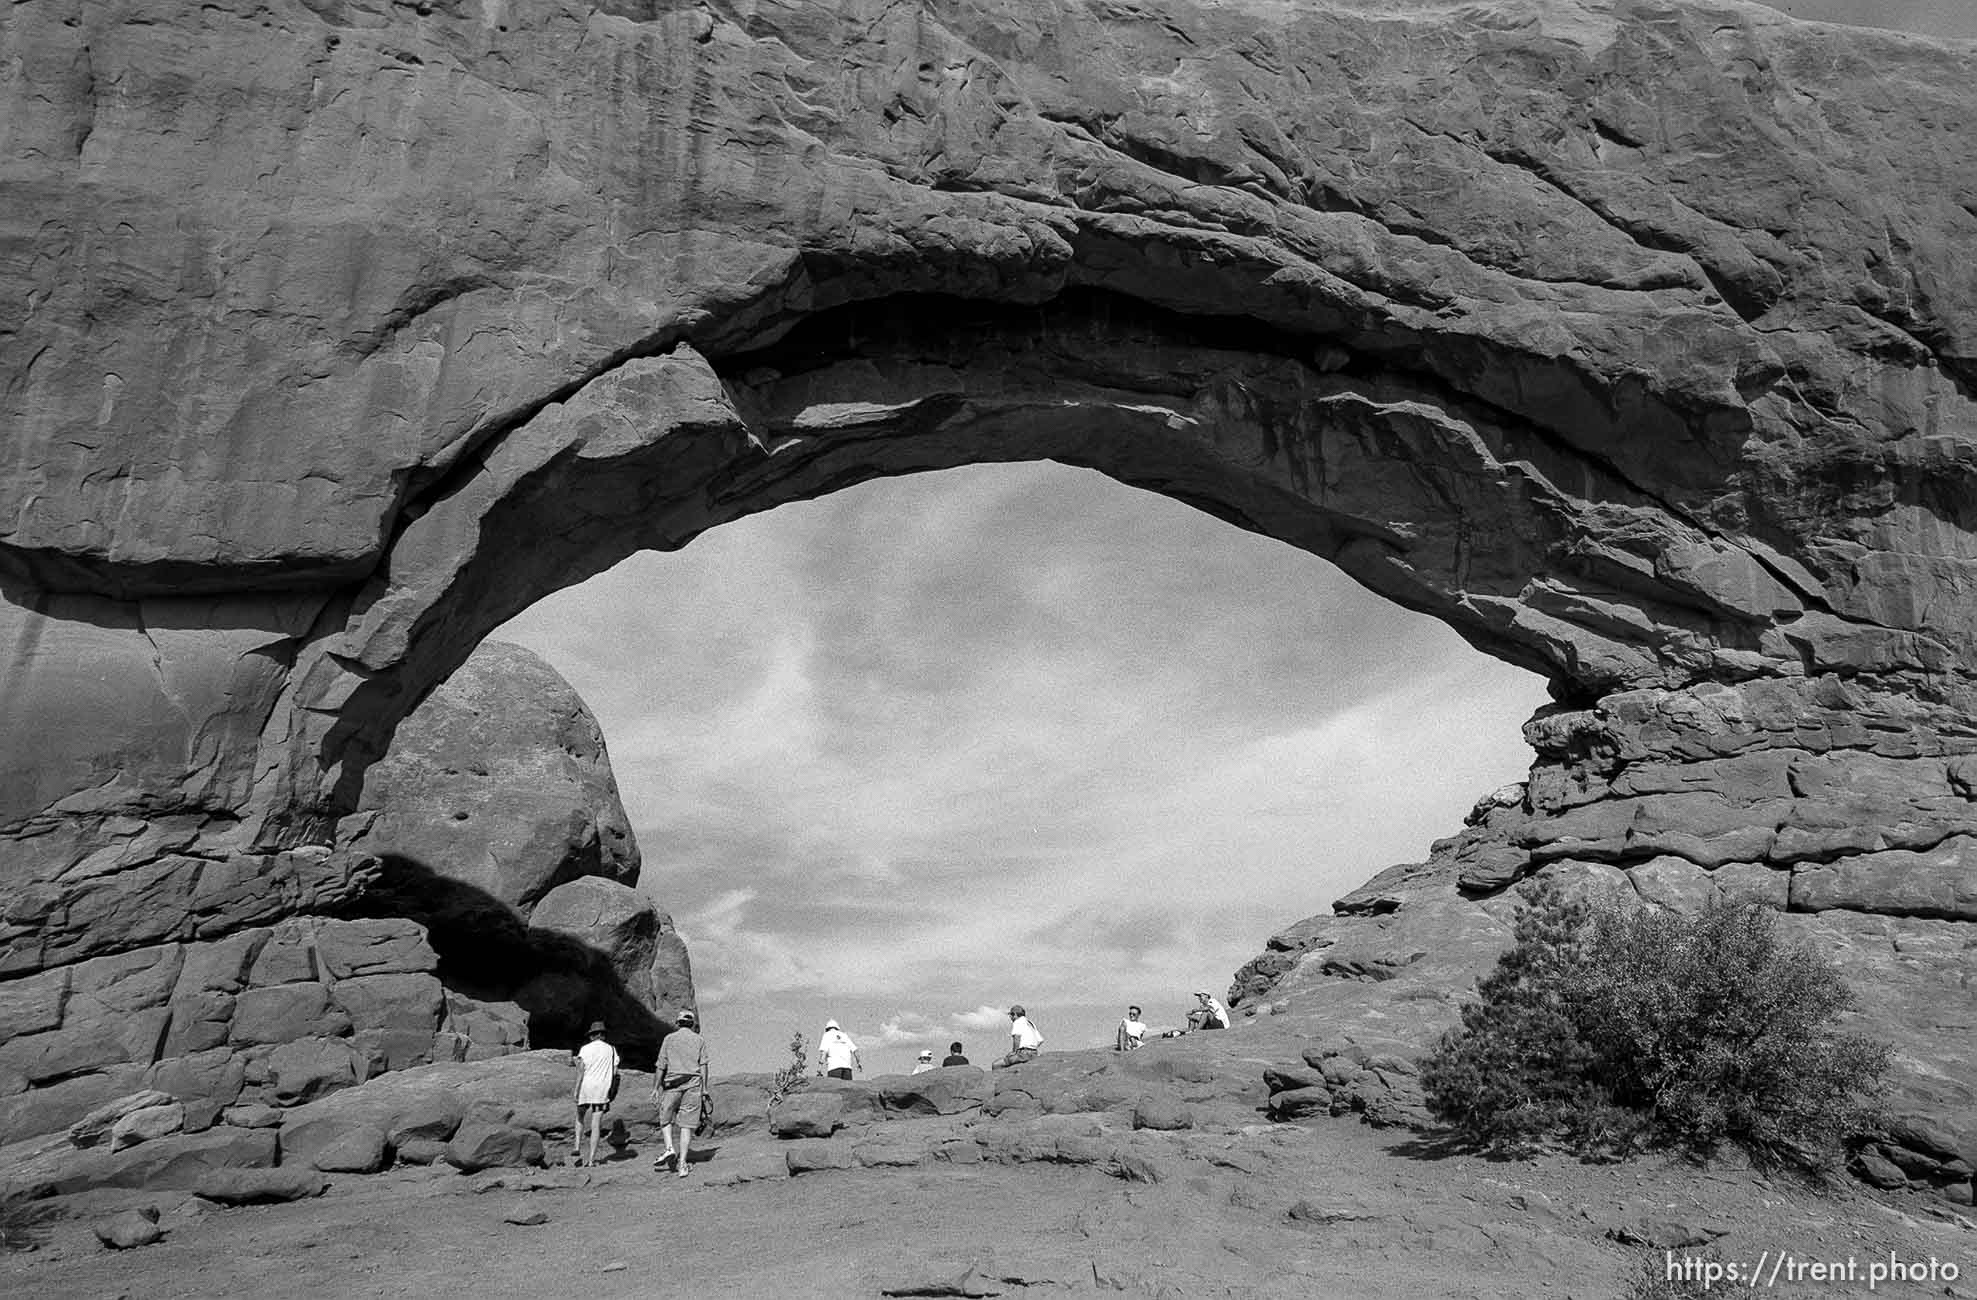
(681, 1105)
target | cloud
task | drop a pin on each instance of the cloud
(1013, 730)
(910, 1030)
(982, 1019)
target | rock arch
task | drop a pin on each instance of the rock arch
(1633, 339)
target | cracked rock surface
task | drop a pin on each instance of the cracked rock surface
(1634, 340)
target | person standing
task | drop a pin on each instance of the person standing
(680, 1079)
(1132, 1032)
(837, 1055)
(1024, 1040)
(597, 1079)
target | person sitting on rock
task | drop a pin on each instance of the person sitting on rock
(597, 1079)
(1024, 1040)
(1132, 1032)
(1211, 1014)
(954, 1056)
(837, 1055)
(925, 1063)
(680, 1079)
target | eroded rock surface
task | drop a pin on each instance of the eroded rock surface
(1634, 340)
(145, 999)
(499, 782)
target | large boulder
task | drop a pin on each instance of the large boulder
(499, 783)
(947, 1090)
(478, 1146)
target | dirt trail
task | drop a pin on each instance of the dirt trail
(1380, 1218)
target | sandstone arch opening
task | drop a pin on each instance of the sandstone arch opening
(932, 741)
(1633, 341)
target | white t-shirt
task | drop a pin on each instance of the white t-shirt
(1217, 1012)
(1135, 1031)
(1025, 1033)
(599, 1062)
(923, 1066)
(836, 1048)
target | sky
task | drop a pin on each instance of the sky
(929, 746)
(933, 745)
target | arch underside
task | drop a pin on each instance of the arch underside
(1635, 342)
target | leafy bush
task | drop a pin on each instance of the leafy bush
(1611, 1031)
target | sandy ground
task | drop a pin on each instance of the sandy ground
(1382, 1218)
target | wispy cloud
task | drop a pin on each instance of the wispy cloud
(1012, 732)
(983, 1019)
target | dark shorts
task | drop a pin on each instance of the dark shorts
(840, 1073)
(681, 1105)
(592, 1108)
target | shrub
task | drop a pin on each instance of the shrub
(1611, 1031)
(791, 1077)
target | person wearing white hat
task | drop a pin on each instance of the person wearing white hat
(925, 1063)
(837, 1055)
(1210, 1014)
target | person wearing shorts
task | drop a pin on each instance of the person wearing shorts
(597, 1071)
(680, 1079)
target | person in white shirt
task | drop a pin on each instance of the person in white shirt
(837, 1055)
(597, 1072)
(1024, 1040)
(1210, 1014)
(1132, 1032)
(925, 1063)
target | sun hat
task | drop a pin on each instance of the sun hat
(830, 1024)
(688, 1018)
(927, 1055)
(597, 1026)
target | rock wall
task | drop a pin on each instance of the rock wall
(494, 808)
(1633, 339)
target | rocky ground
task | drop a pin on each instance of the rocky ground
(1164, 1174)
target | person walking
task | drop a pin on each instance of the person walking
(680, 1079)
(597, 1079)
(1024, 1040)
(1132, 1032)
(837, 1055)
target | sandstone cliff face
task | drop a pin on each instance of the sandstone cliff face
(218, 985)
(1633, 339)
